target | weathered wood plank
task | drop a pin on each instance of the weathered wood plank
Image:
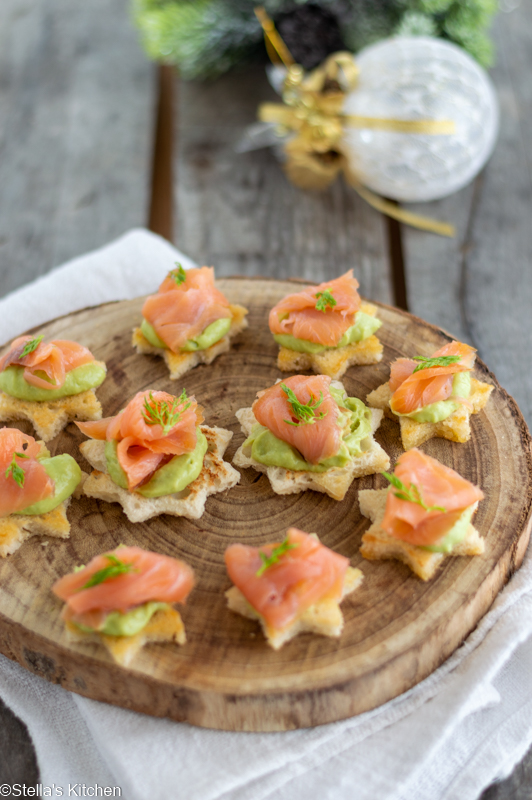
(76, 103)
(240, 213)
(76, 99)
(479, 285)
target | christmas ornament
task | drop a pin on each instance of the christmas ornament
(381, 121)
(420, 77)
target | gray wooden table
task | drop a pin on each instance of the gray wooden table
(95, 140)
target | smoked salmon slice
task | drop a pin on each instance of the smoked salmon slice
(52, 360)
(288, 577)
(120, 580)
(431, 383)
(152, 428)
(299, 314)
(186, 303)
(23, 480)
(432, 487)
(316, 439)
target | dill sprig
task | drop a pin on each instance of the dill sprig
(325, 299)
(277, 552)
(115, 568)
(439, 361)
(32, 345)
(305, 413)
(178, 275)
(411, 495)
(163, 413)
(15, 470)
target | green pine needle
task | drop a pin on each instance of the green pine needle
(206, 38)
(277, 552)
(305, 413)
(411, 495)
(167, 415)
(325, 299)
(30, 346)
(115, 568)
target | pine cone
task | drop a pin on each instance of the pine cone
(311, 34)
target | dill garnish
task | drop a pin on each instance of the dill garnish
(439, 361)
(305, 413)
(115, 568)
(277, 552)
(178, 275)
(411, 495)
(30, 346)
(325, 299)
(160, 412)
(16, 471)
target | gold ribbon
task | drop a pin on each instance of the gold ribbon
(311, 114)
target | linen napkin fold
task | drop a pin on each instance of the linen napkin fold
(448, 738)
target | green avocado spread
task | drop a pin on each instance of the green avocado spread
(355, 421)
(126, 623)
(364, 327)
(80, 379)
(66, 474)
(436, 412)
(173, 477)
(455, 535)
(212, 334)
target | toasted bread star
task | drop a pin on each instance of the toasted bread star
(179, 363)
(16, 529)
(324, 618)
(49, 418)
(216, 476)
(334, 362)
(335, 482)
(455, 428)
(166, 625)
(377, 544)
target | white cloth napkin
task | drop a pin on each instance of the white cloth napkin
(448, 738)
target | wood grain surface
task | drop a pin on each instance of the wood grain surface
(397, 630)
(478, 285)
(76, 101)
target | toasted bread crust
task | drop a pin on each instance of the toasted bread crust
(49, 418)
(334, 363)
(334, 482)
(377, 544)
(456, 428)
(16, 529)
(166, 625)
(324, 618)
(179, 363)
(216, 476)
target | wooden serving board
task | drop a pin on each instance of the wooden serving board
(397, 628)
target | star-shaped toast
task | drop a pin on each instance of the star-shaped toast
(377, 544)
(216, 476)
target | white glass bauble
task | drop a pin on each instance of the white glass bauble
(420, 78)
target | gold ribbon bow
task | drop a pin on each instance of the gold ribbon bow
(312, 116)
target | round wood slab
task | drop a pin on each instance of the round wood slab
(397, 628)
